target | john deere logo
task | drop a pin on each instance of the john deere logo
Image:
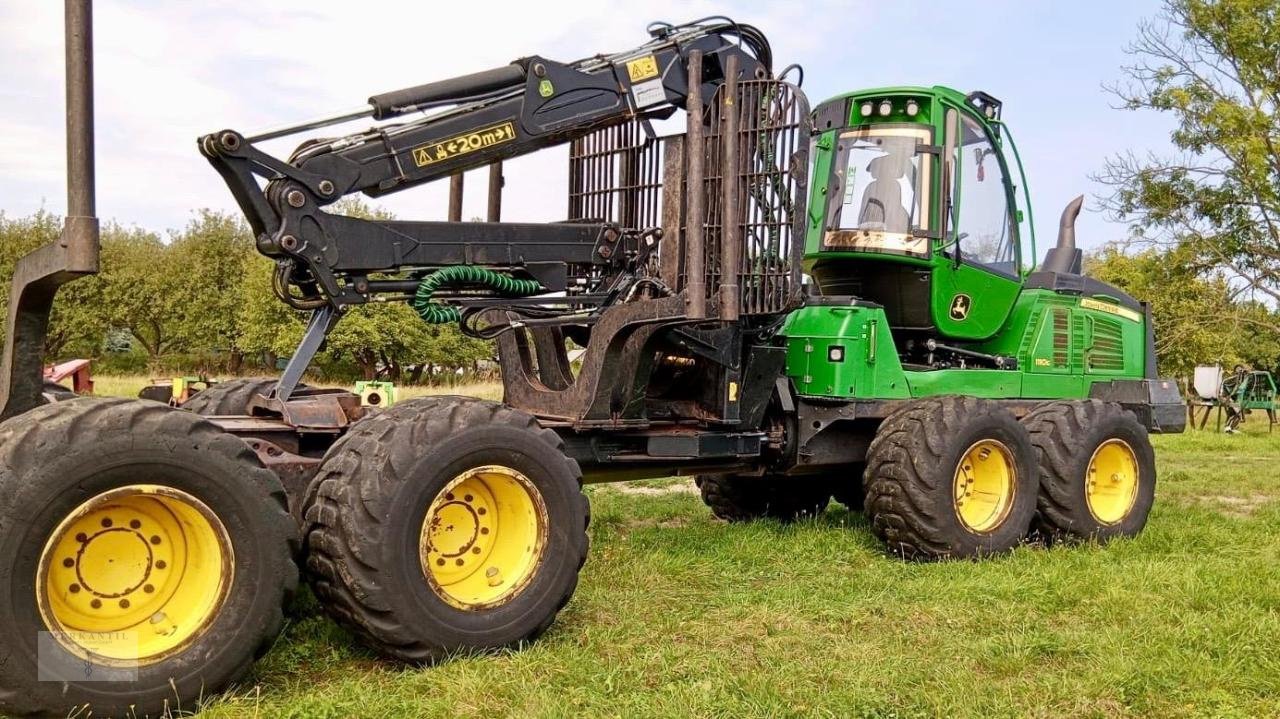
(960, 305)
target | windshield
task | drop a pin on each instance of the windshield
(879, 191)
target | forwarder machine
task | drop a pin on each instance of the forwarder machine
(878, 339)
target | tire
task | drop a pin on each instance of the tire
(371, 517)
(736, 498)
(64, 465)
(914, 465)
(230, 397)
(1067, 436)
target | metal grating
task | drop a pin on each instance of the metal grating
(615, 175)
(1107, 351)
(771, 180)
(1061, 337)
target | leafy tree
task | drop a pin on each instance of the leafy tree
(214, 250)
(144, 291)
(1212, 66)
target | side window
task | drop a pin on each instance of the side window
(985, 232)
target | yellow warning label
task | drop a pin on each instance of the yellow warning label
(1125, 312)
(642, 68)
(462, 144)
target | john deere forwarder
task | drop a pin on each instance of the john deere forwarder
(920, 371)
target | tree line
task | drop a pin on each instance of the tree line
(200, 301)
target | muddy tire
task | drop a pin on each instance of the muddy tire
(951, 477)
(146, 557)
(1097, 471)
(446, 524)
(230, 397)
(736, 498)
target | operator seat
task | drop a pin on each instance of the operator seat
(882, 200)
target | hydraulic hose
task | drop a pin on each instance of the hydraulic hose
(436, 313)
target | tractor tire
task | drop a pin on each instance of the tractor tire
(1097, 471)
(54, 392)
(927, 462)
(230, 397)
(145, 555)
(735, 498)
(446, 524)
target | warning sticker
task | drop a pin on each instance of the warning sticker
(648, 93)
(642, 68)
(424, 155)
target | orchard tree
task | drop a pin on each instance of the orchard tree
(144, 291)
(1214, 67)
(215, 250)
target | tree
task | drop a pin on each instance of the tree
(143, 289)
(1212, 65)
(214, 251)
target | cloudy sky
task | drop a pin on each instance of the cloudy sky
(170, 71)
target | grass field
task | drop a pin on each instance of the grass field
(681, 615)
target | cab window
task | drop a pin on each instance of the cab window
(880, 185)
(983, 226)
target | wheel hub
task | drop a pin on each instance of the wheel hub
(984, 485)
(1111, 481)
(483, 537)
(133, 575)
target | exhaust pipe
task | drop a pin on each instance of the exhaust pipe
(38, 275)
(1065, 258)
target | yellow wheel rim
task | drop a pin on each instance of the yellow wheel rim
(984, 486)
(134, 575)
(1111, 482)
(483, 537)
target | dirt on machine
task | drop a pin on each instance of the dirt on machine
(789, 304)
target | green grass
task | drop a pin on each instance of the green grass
(681, 615)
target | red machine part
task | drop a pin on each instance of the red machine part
(77, 370)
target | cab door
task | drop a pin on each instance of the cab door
(977, 276)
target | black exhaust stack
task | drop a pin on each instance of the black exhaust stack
(1065, 258)
(38, 275)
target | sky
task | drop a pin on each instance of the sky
(168, 72)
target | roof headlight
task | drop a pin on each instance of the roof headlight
(866, 109)
(886, 107)
(913, 108)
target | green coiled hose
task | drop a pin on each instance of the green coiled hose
(436, 313)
